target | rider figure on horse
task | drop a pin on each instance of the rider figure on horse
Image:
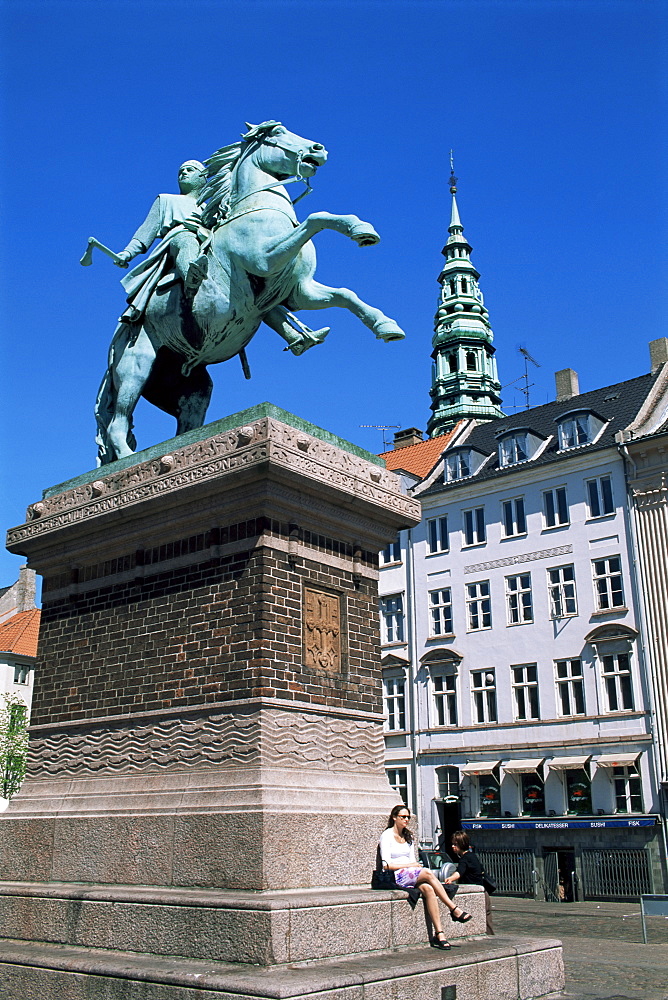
(182, 254)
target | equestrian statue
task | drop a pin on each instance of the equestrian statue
(231, 256)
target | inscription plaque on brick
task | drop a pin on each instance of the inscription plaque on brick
(322, 630)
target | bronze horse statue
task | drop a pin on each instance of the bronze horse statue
(261, 264)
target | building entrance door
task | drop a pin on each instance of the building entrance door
(559, 869)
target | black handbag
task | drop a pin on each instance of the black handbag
(488, 885)
(383, 880)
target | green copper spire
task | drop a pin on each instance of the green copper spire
(464, 377)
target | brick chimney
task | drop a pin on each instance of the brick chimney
(567, 384)
(658, 353)
(25, 589)
(407, 437)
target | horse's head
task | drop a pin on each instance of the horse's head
(284, 154)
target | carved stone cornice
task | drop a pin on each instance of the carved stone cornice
(267, 446)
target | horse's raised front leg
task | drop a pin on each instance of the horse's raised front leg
(280, 251)
(129, 372)
(312, 295)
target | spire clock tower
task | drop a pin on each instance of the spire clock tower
(464, 377)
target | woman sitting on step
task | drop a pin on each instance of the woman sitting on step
(398, 855)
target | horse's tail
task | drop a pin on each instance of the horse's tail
(105, 405)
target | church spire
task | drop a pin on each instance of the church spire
(464, 378)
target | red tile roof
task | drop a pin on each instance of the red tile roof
(20, 633)
(419, 459)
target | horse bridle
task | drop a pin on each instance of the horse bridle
(267, 140)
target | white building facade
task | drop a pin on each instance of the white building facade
(517, 645)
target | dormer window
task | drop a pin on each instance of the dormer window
(578, 428)
(513, 449)
(518, 445)
(458, 466)
(462, 463)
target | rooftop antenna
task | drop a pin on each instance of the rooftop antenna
(383, 428)
(527, 385)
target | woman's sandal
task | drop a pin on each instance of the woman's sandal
(444, 945)
(463, 918)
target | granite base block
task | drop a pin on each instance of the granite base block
(478, 970)
(268, 928)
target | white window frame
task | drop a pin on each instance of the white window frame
(444, 694)
(478, 606)
(562, 591)
(621, 787)
(474, 529)
(617, 680)
(392, 552)
(395, 703)
(392, 620)
(607, 596)
(600, 498)
(438, 535)
(555, 508)
(514, 449)
(401, 787)
(519, 599)
(574, 431)
(526, 699)
(570, 681)
(450, 782)
(22, 673)
(458, 465)
(483, 697)
(440, 612)
(513, 517)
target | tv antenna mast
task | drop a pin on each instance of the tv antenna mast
(383, 428)
(527, 385)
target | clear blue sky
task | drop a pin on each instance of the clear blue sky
(554, 110)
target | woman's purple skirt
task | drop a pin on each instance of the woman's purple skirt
(407, 877)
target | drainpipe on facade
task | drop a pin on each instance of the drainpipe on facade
(640, 605)
(413, 702)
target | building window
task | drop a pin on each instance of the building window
(398, 778)
(17, 718)
(447, 782)
(440, 612)
(563, 602)
(21, 674)
(437, 534)
(392, 618)
(574, 431)
(471, 364)
(392, 552)
(452, 358)
(616, 673)
(533, 794)
(483, 689)
(525, 691)
(478, 606)
(474, 526)
(519, 603)
(395, 703)
(489, 796)
(458, 466)
(608, 583)
(555, 507)
(445, 699)
(599, 495)
(513, 449)
(628, 789)
(578, 792)
(570, 687)
(514, 520)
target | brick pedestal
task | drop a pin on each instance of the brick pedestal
(206, 720)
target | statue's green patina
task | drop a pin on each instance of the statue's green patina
(232, 255)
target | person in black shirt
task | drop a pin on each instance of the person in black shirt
(469, 870)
